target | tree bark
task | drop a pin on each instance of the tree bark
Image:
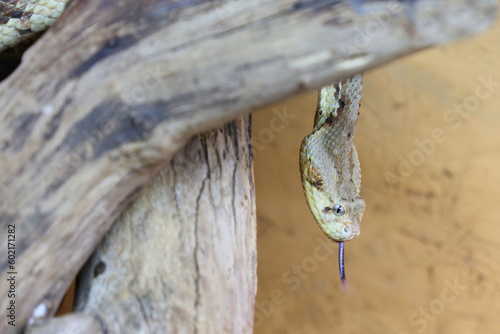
(103, 100)
(182, 257)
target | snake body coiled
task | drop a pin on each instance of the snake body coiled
(20, 19)
(329, 165)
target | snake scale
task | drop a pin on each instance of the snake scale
(20, 19)
(329, 163)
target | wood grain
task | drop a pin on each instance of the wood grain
(75, 323)
(182, 257)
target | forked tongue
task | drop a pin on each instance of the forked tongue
(341, 266)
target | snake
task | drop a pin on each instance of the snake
(329, 164)
(21, 19)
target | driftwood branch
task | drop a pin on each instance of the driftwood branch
(182, 258)
(102, 102)
(75, 323)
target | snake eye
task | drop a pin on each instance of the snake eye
(338, 209)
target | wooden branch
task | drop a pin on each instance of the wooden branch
(75, 323)
(182, 257)
(104, 99)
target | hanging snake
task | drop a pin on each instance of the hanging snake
(328, 160)
(329, 165)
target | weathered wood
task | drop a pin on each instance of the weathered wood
(75, 323)
(182, 257)
(104, 99)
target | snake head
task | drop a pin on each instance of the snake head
(342, 220)
(339, 219)
(336, 206)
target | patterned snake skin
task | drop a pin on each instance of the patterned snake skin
(19, 19)
(329, 166)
